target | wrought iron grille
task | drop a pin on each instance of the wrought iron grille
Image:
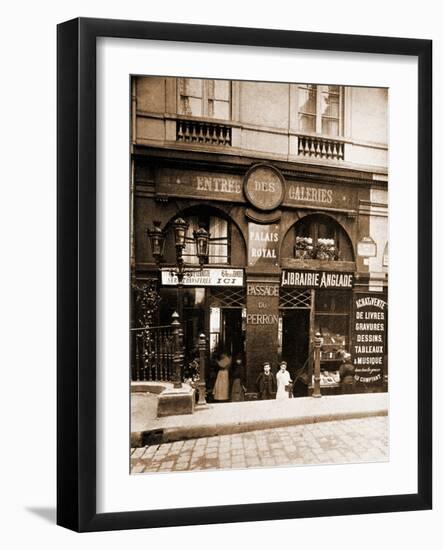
(292, 298)
(154, 353)
(228, 297)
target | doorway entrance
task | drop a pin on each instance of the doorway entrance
(295, 325)
(226, 331)
(295, 339)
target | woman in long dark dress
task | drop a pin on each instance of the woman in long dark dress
(238, 380)
(346, 373)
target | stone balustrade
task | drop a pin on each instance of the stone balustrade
(197, 131)
(320, 147)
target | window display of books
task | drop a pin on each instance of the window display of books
(333, 347)
(328, 378)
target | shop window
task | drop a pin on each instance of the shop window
(320, 109)
(204, 98)
(219, 240)
(319, 237)
(332, 311)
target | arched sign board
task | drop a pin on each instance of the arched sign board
(264, 187)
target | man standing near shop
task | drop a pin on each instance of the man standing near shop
(266, 384)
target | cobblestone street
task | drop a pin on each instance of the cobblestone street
(335, 442)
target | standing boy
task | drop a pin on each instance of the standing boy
(266, 384)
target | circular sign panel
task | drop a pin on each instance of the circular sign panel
(264, 187)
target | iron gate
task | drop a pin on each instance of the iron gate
(154, 353)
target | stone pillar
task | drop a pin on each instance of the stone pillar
(262, 301)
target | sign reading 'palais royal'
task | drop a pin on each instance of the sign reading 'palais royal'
(263, 244)
(317, 279)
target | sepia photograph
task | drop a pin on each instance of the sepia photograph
(259, 261)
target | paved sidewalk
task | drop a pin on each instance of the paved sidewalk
(336, 442)
(229, 418)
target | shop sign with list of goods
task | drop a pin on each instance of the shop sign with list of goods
(368, 348)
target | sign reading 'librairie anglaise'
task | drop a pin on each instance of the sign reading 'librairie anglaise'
(297, 278)
(205, 277)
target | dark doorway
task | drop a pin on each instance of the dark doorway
(295, 339)
(227, 335)
(232, 335)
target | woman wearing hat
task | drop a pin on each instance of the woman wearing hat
(346, 373)
(238, 380)
(283, 381)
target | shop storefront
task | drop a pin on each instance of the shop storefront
(282, 267)
(213, 304)
(316, 303)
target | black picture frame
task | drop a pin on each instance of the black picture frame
(76, 281)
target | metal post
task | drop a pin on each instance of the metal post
(202, 360)
(317, 343)
(180, 299)
(180, 276)
(178, 350)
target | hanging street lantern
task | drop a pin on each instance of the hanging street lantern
(157, 240)
(201, 237)
(180, 230)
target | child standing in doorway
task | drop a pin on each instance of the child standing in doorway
(266, 384)
(283, 381)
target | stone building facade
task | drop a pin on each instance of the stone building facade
(291, 182)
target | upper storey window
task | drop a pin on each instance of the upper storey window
(320, 109)
(319, 237)
(204, 98)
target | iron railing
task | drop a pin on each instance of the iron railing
(154, 353)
